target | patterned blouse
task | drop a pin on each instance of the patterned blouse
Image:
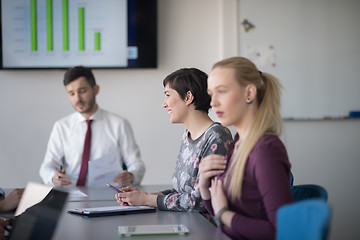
(185, 196)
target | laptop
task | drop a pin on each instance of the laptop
(37, 221)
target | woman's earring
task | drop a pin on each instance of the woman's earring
(249, 101)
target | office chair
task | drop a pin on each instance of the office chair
(307, 219)
(306, 191)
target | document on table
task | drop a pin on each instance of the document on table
(104, 169)
(76, 193)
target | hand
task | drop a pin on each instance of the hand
(3, 224)
(136, 198)
(218, 197)
(12, 200)
(60, 178)
(124, 189)
(124, 178)
(209, 167)
(128, 189)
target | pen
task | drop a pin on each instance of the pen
(113, 188)
(61, 168)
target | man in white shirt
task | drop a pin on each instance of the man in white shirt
(112, 141)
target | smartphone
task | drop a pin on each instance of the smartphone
(144, 230)
(113, 188)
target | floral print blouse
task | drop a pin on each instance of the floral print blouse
(185, 194)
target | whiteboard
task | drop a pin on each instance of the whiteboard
(316, 50)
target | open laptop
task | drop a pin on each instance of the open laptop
(39, 219)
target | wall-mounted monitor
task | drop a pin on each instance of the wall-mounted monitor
(58, 34)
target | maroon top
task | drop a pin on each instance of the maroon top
(266, 187)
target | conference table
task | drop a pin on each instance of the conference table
(72, 226)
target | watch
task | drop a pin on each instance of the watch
(217, 217)
(2, 194)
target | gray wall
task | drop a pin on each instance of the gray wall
(328, 153)
(191, 34)
(317, 55)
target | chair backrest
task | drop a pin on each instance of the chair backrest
(308, 219)
(307, 191)
(302, 192)
(291, 178)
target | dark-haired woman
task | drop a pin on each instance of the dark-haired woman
(188, 103)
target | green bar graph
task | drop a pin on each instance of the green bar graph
(33, 26)
(49, 21)
(65, 27)
(97, 41)
(81, 29)
(65, 11)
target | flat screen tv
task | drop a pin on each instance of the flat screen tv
(58, 34)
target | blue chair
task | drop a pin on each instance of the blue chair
(303, 220)
(307, 191)
(291, 178)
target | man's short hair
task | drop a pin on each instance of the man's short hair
(79, 71)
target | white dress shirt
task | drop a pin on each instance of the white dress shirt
(110, 134)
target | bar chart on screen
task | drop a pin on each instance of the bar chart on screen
(42, 32)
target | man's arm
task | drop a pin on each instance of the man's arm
(53, 157)
(131, 154)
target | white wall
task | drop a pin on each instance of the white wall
(33, 100)
(191, 34)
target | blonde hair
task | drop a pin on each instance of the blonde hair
(267, 117)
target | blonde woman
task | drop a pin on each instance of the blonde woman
(244, 189)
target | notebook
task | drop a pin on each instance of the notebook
(39, 221)
(110, 211)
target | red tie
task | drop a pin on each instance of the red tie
(85, 157)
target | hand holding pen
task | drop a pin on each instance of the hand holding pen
(60, 178)
(116, 195)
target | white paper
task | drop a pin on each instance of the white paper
(262, 56)
(103, 170)
(76, 193)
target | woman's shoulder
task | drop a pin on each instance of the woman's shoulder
(268, 153)
(219, 134)
(218, 128)
(269, 139)
(269, 144)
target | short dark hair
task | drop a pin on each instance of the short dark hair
(193, 80)
(79, 71)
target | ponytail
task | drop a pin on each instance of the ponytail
(267, 118)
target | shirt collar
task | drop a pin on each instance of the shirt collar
(97, 115)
